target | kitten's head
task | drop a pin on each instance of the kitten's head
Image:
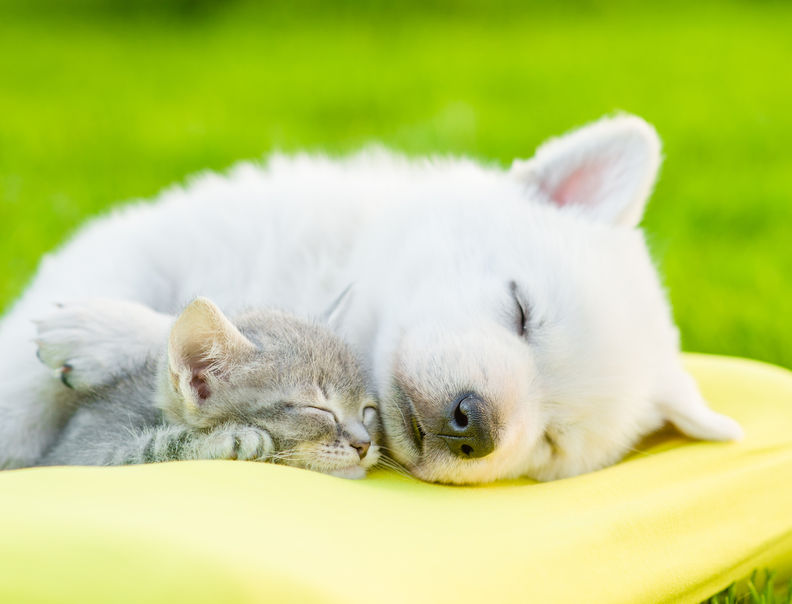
(269, 369)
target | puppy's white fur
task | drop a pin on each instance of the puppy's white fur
(432, 247)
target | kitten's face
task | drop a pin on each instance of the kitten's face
(293, 379)
(322, 430)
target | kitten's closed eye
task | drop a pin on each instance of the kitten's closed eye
(320, 412)
(310, 411)
(369, 415)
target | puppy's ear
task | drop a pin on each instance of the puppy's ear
(334, 313)
(681, 404)
(203, 346)
(605, 170)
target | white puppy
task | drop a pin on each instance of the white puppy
(512, 321)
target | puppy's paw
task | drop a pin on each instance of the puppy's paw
(75, 347)
(235, 442)
(89, 343)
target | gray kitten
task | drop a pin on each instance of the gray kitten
(266, 387)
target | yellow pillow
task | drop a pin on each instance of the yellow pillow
(675, 522)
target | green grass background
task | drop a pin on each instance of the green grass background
(102, 101)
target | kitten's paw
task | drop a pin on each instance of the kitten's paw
(235, 442)
(89, 343)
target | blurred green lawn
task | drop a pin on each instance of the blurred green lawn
(100, 104)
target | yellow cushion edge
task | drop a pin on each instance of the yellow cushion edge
(676, 523)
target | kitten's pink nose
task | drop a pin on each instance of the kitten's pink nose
(362, 447)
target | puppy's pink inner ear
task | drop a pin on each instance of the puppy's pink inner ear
(580, 186)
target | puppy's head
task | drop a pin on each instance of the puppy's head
(524, 332)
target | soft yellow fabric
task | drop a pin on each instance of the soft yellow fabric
(674, 523)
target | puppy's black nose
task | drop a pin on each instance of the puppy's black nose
(361, 448)
(467, 430)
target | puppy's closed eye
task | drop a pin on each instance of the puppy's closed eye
(522, 315)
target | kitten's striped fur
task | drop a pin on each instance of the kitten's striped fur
(267, 387)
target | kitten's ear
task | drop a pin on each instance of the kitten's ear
(203, 346)
(605, 170)
(334, 313)
(682, 405)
